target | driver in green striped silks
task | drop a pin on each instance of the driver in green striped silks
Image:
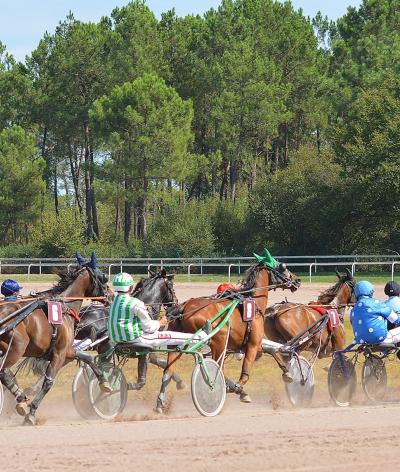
(129, 319)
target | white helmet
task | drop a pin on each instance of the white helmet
(122, 282)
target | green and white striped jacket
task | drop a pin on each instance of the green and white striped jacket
(123, 322)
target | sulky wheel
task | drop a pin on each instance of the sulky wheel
(301, 390)
(208, 388)
(374, 378)
(80, 392)
(109, 405)
(342, 380)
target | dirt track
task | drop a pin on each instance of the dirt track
(264, 435)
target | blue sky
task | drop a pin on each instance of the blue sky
(23, 22)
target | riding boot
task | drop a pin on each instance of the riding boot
(142, 374)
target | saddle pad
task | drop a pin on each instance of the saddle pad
(54, 312)
(249, 309)
(334, 319)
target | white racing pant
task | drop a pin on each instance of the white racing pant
(392, 337)
(166, 338)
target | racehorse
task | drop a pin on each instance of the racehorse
(194, 314)
(155, 291)
(284, 321)
(34, 336)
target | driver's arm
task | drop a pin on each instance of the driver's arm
(148, 325)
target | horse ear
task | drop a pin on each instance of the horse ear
(163, 273)
(337, 274)
(93, 261)
(348, 272)
(79, 258)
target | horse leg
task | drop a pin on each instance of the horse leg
(283, 365)
(180, 384)
(54, 366)
(19, 343)
(9, 381)
(248, 361)
(166, 379)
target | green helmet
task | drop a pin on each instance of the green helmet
(122, 282)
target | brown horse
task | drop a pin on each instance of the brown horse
(35, 337)
(195, 313)
(284, 321)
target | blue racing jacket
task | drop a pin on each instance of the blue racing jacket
(369, 319)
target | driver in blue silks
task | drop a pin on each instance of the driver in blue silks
(369, 317)
(10, 289)
(392, 290)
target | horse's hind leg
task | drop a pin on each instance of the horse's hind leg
(286, 375)
(56, 363)
(180, 384)
(166, 379)
(7, 378)
(9, 381)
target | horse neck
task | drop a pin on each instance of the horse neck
(342, 297)
(78, 289)
(261, 289)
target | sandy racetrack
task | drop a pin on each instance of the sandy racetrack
(265, 435)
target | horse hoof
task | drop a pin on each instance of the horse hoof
(105, 387)
(22, 408)
(30, 420)
(181, 385)
(287, 377)
(158, 410)
(245, 398)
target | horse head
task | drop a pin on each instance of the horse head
(156, 290)
(340, 294)
(283, 278)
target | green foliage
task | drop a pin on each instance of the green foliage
(21, 179)
(182, 232)
(298, 210)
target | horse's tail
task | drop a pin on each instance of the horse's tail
(32, 365)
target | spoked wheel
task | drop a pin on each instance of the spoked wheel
(80, 392)
(109, 405)
(374, 378)
(301, 390)
(208, 388)
(342, 380)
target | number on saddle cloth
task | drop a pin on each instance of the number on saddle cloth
(54, 312)
(334, 319)
(249, 310)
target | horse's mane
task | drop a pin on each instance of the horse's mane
(66, 278)
(330, 293)
(249, 280)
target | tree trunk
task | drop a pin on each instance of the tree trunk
(127, 212)
(55, 190)
(224, 183)
(75, 176)
(88, 194)
(93, 197)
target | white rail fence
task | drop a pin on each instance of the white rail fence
(231, 265)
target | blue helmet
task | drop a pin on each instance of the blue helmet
(9, 286)
(364, 288)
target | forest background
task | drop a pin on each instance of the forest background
(207, 135)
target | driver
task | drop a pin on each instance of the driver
(392, 290)
(129, 320)
(369, 317)
(10, 289)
